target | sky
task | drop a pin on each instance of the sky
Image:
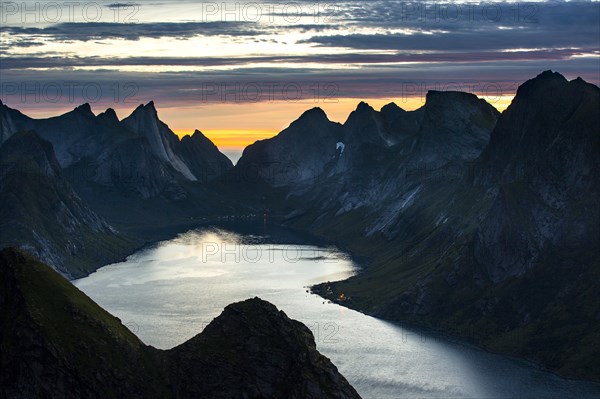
(243, 70)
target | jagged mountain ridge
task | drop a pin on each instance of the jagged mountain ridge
(195, 156)
(250, 350)
(373, 165)
(98, 149)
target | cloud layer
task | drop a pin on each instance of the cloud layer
(361, 49)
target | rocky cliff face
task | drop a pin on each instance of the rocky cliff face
(506, 253)
(455, 126)
(300, 153)
(543, 162)
(202, 157)
(12, 121)
(41, 213)
(56, 342)
(195, 156)
(377, 165)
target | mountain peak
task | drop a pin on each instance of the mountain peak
(392, 107)
(314, 113)
(363, 110)
(547, 83)
(85, 109)
(110, 115)
(148, 110)
(549, 74)
(454, 99)
(150, 106)
(363, 106)
(199, 136)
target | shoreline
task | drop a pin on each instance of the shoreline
(463, 340)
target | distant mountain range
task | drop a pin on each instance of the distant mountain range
(139, 155)
(474, 222)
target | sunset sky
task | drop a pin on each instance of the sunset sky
(239, 71)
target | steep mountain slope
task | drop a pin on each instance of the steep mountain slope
(455, 126)
(56, 342)
(373, 167)
(551, 177)
(41, 213)
(12, 121)
(195, 157)
(202, 157)
(299, 153)
(509, 255)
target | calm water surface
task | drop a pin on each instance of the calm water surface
(167, 293)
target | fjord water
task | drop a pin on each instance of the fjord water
(169, 291)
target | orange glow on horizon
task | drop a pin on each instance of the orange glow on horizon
(224, 123)
(231, 138)
(237, 125)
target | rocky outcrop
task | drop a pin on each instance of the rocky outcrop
(254, 350)
(56, 342)
(202, 157)
(455, 126)
(12, 121)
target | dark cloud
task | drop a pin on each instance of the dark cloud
(460, 41)
(122, 5)
(342, 58)
(113, 30)
(478, 27)
(118, 89)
